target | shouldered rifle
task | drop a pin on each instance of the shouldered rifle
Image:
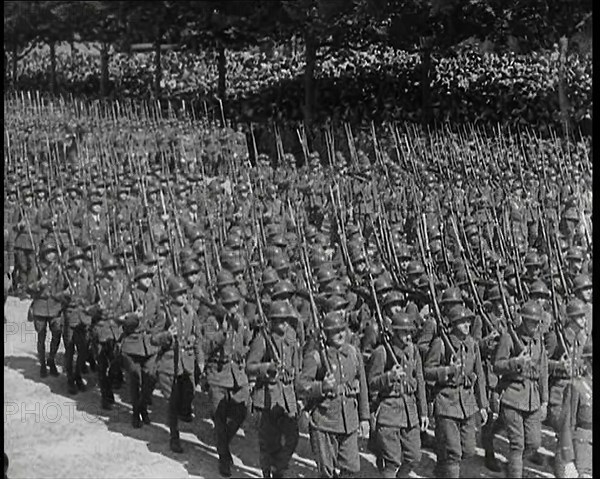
(517, 342)
(437, 315)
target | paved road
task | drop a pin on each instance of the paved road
(50, 434)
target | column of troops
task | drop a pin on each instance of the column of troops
(279, 299)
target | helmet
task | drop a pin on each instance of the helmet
(280, 310)
(176, 286)
(235, 265)
(415, 267)
(575, 253)
(336, 303)
(402, 322)
(376, 269)
(352, 229)
(471, 230)
(230, 295)
(576, 308)
(311, 231)
(383, 284)
(150, 258)
(278, 240)
(509, 272)
(571, 214)
(318, 258)
(451, 295)
(433, 233)
(459, 313)
(493, 294)
(393, 297)
(357, 256)
(109, 263)
(280, 263)
(403, 251)
(531, 310)
(532, 259)
(539, 287)
(334, 321)
(49, 246)
(142, 271)
(225, 278)
(190, 268)
(335, 287)
(435, 246)
(582, 281)
(234, 241)
(76, 253)
(325, 275)
(269, 276)
(186, 255)
(283, 286)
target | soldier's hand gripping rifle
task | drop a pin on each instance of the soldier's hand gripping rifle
(510, 322)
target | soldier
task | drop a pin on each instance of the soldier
(583, 290)
(522, 363)
(334, 381)
(574, 448)
(77, 298)
(46, 309)
(106, 331)
(402, 407)
(180, 353)
(459, 392)
(27, 239)
(226, 342)
(275, 361)
(139, 353)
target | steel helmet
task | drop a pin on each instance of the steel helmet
(176, 286)
(582, 281)
(269, 277)
(280, 263)
(383, 284)
(393, 297)
(335, 287)
(531, 310)
(190, 267)
(230, 295)
(325, 275)
(109, 262)
(402, 321)
(532, 259)
(459, 313)
(575, 254)
(539, 287)
(76, 253)
(576, 308)
(225, 278)
(142, 271)
(415, 268)
(493, 293)
(451, 295)
(283, 287)
(334, 321)
(336, 303)
(280, 310)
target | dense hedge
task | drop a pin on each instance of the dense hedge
(355, 86)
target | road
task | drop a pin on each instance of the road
(50, 434)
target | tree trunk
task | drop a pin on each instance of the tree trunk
(426, 113)
(157, 65)
(309, 77)
(52, 45)
(222, 68)
(104, 70)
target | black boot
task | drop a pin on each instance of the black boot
(81, 384)
(267, 473)
(52, 368)
(538, 459)
(43, 371)
(136, 422)
(107, 404)
(145, 417)
(224, 468)
(491, 462)
(176, 445)
(72, 387)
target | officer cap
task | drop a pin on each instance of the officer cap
(190, 268)
(575, 253)
(142, 271)
(225, 278)
(539, 287)
(576, 308)
(582, 281)
(280, 310)
(109, 263)
(402, 321)
(451, 295)
(283, 287)
(531, 310)
(459, 313)
(176, 286)
(393, 297)
(334, 321)
(76, 253)
(415, 267)
(532, 259)
(230, 295)
(269, 276)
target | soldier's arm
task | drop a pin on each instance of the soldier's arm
(307, 386)
(503, 363)
(214, 338)
(565, 434)
(254, 362)
(426, 336)
(482, 400)
(433, 366)
(421, 396)
(543, 381)
(477, 328)
(379, 379)
(159, 334)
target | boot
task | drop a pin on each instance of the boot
(404, 471)
(81, 384)
(72, 387)
(538, 459)
(186, 417)
(491, 462)
(136, 422)
(43, 371)
(52, 368)
(266, 473)
(224, 468)
(107, 404)
(176, 445)
(145, 417)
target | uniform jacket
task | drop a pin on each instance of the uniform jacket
(82, 296)
(138, 331)
(189, 340)
(402, 402)
(340, 414)
(46, 299)
(456, 395)
(225, 348)
(576, 417)
(110, 296)
(270, 392)
(523, 388)
(36, 217)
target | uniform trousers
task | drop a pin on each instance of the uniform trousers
(24, 267)
(108, 367)
(400, 447)
(456, 441)
(75, 338)
(180, 394)
(142, 379)
(278, 435)
(335, 449)
(229, 412)
(41, 324)
(524, 431)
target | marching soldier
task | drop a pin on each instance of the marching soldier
(402, 406)
(334, 382)
(180, 353)
(521, 362)
(275, 360)
(226, 343)
(46, 309)
(459, 392)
